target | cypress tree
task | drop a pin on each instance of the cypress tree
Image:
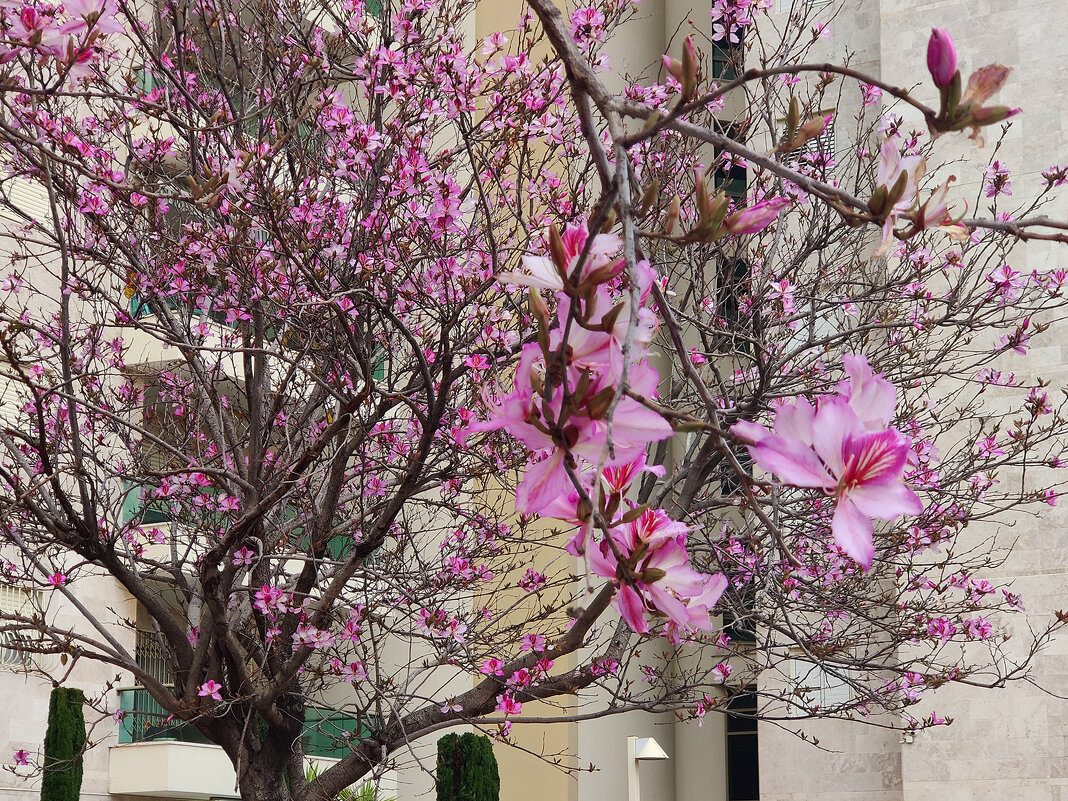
(467, 769)
(63, 745)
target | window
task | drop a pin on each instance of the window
(332, 734)
(728, 60)
(731, 177)
(816, 156)
(815, 687)
(785, 6)
(140, 508)
(15, 601)
(740, 627)
(743, 763)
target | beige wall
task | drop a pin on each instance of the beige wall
(25, 698)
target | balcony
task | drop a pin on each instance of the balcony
(160, 757)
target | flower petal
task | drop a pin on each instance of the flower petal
(886, 501)
(630, 607)
(792, 461)
(853, 531)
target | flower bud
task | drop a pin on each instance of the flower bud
(689, 68)
(941, 58)
(990, 115)
(757, 217)
(673, 67)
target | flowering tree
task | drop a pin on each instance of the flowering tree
(325, 304)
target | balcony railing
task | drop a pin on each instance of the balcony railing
(327, 734)
(144, 720)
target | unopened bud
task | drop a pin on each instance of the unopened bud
(941, 58)
(757, 217)
(673, 67)
(557, 251)
(689, 69)
(990, 115)
(537, 305)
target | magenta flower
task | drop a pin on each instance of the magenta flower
(855, 458)
(508, 705)
(492, 667)
(57, 579)
(533, 642)
(523, 415)
(941, 58)
(22, 757)
(210, 689)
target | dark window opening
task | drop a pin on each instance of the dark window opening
(728, 60)
(743, 764)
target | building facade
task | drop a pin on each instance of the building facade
(1010, 742)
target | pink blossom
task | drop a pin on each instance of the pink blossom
(941, 628)
(997, 180)
(897, 180)
(533, 642)
(854, 459)
(508, 705)
(543, 273)
(872, 94)
(492, 667)
(978, 629)
(983, 84)
(57, 579)
(22, 757)
(656, 575)
(354, 672)
(210, 689)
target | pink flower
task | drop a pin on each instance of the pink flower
(492, 667)
(533, 642)
(544, 273)
(210, 689)
(978, 629)
(941, 58)
(983, 84)
(941, 628)
(508, 705)
(22, 757)
(997, 180)
(57, 579)
(897, 180)
(854, 459)
(656, 575)
(872, 94)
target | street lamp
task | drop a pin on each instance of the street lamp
(640, 748)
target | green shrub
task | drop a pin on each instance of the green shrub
(467, 769)
(63, 745)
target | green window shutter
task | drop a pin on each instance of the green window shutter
(330, 734)
(727, 60)
(136, 507)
